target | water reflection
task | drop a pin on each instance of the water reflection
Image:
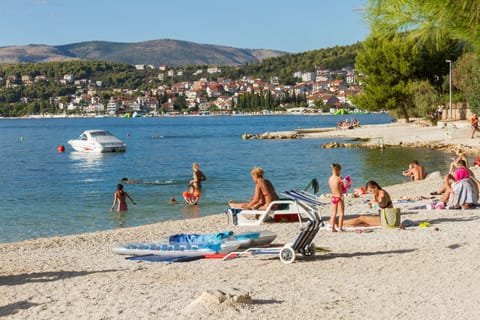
(86, 160)
(191, 211)
(118, 218)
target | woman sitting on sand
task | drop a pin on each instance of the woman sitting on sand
(381, 199)
(459, 194)
(460, 156)
(264, 192)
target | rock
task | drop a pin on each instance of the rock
(213, 296)
(436, 175)
(218, 297)
(331, 145)
(216, 301)
(268, 135)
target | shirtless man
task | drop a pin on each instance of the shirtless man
(474, 124)
(415, 171)
(338, 205)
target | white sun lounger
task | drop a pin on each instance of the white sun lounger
(303, 243)
(277, 210)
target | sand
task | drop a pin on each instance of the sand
(417, 273)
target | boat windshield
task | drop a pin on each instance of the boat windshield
(97, 134)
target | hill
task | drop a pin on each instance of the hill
(33, 53)
(156, 52)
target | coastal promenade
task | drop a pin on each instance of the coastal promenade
(417, 273)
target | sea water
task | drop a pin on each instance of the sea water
(47, 193)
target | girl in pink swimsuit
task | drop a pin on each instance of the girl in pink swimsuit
(338, 205)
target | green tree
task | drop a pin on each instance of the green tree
(425, 98)
(389, 64)
(427, 19)
(318, 104)
(179, 103)
(466, 77)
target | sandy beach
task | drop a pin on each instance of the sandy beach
(445, 136)
(417, 273)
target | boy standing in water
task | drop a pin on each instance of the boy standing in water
(120, 197)
(338, 205)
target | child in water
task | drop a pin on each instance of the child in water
(338, 205)
(195, 186)
(120, 197)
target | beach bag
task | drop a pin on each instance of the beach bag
(390, 217)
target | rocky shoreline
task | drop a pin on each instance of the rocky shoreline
(445, 137)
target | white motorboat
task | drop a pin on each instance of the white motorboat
(97, 141)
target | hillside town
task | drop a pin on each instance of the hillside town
(321, 90)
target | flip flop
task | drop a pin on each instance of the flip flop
(363, 231)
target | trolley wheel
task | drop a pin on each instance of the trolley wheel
(287, 255)
(309, 250)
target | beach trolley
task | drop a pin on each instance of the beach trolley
(303, 243)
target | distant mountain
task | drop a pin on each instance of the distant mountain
(33, 53)
(157, 52)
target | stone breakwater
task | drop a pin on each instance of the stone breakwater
(295, 134)
(400, 137)
(372, 144)
(271, 135)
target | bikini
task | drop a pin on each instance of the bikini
(389, 204)
(336, 200)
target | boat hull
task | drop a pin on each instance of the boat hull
(97, 141)
(83, 146)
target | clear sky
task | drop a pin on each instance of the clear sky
(292, 26)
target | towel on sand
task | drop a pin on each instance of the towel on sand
(327, 227)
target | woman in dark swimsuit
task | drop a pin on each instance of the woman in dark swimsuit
(381, 199)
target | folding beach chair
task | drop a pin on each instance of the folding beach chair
(305, 196)
(303, 243)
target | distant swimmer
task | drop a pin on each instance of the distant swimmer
(126, 181)
(151, 182)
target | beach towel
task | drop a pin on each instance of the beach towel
(199, 239)
(328, 227)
